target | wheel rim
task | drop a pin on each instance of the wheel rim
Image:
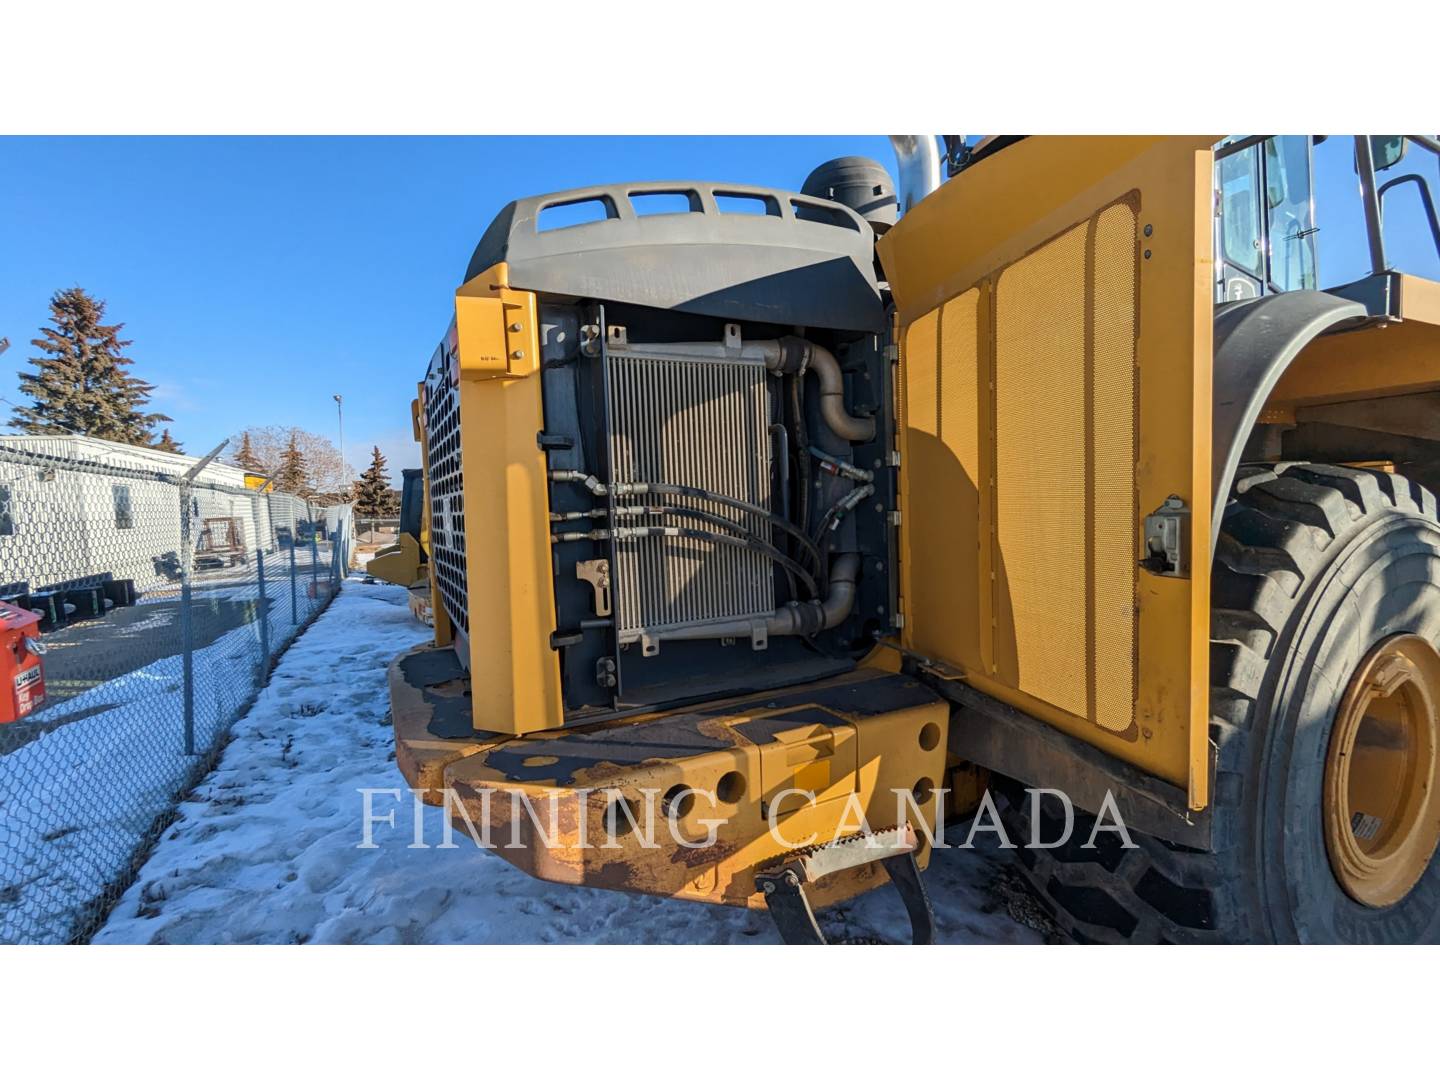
(1381, 806)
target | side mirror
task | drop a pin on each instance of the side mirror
(1387, 150)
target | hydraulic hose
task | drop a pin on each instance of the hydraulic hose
(598, 487)
(748, 542)
(831, 464)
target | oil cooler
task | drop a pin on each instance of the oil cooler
(697, 421)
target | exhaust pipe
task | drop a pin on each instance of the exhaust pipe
(918, 157)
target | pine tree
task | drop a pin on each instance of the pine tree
(81, 385)
(167, 442)
(372, 490)
(245, 457)
(293, 475)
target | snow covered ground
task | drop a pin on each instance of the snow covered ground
(267, 847)
(76, 802)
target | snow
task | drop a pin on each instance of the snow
(85, 794)
(267, 849)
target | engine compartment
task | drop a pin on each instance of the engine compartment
(713, 532)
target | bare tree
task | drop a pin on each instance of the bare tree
(322, 460)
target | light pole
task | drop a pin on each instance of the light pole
(340, 413)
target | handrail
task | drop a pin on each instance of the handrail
(1365, 164)
(1425, 198)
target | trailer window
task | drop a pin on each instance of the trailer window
(124, 518)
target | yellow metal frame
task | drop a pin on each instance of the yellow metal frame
(958, 242)
(820, 772)
(515, 674)
(1382, 360)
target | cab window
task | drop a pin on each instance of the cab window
(1240, 212)
(1290, 212)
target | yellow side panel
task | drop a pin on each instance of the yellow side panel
(509, 599)
(1055, 340)
(941, 409)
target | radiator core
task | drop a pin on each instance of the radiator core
(700, 423)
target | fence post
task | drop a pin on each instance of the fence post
(261, 543)
(294, 603)
(264, 617)
(187, 561)
(187, 630)
(314, 561)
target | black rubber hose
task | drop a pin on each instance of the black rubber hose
(726, 523)
(725, 500)
(802, 453)
(749, 542)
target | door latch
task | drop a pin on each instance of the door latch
(1167, 539)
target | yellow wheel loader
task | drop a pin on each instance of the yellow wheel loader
(768, 530)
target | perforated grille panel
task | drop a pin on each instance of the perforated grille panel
(699, 423)
(1065, 505)
(447, 496)
(942, 377)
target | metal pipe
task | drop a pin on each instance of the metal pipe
(918, 158)
(1365, 164)
(1426, 141)
(781, 356)
(1426, 201)
(807, 618)
(832, 397)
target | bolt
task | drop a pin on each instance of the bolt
(515, 327)
(1147, 253)
(1149, 229)
(769, 887)
(518, 354)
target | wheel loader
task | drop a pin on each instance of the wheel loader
(1057, 492)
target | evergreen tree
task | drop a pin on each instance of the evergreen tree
(81, 385)
(372, 490)
(245, 457)
(167, 442)
(294, 474)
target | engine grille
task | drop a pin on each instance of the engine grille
(447, 496)
(700, 423)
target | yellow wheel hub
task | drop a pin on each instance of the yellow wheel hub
(1381, 806)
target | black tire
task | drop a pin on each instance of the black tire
(1316, 564)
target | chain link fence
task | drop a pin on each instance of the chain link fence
(164, 596)
(376, 530)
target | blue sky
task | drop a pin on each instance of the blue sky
(259, 276)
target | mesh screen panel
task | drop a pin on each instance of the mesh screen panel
(1040, 466)
(1066, 531)
(941, 375)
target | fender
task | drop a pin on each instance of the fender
(1255, 341)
